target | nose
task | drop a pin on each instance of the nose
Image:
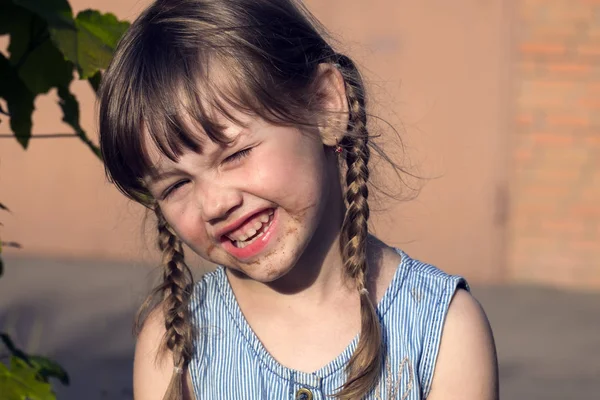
(217, 201)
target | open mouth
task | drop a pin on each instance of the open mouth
(253, 230)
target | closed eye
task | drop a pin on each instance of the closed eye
(238, 156)
(172, 189)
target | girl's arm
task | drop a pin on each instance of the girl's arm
(152, 371)
(466, 368)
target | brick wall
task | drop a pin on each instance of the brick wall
(554, 229)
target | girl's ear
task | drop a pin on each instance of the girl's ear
(331, 92)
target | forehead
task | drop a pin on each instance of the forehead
(231, 129)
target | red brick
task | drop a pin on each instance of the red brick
(586, 245)
(572, 69)
(563, 226)
(567, 12)
(537, 49)
(556, 161)
(523, 223)
(558, 32)
(546, 193)
(590, 194)
(592, 88)
(590, 103)
(534, 94)
(552, 139)
(528, 68)
(524, 207)
(586, 211)
(554, 232)
(555, 175)
(592, 140)
(524, 119)
(588, 50)
(568, 120)
(522, 155)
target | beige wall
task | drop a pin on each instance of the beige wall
(437, 70)
(555, 223)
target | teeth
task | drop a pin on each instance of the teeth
(240, 238)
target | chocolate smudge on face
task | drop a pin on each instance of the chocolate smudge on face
(210, 249)
(299, 216)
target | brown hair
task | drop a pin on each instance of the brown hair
(162, 73)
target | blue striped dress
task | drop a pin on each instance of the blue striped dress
(230, 362)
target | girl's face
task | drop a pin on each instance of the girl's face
(256, 205)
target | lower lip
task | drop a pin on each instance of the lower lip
(254, 248)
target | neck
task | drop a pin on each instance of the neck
(318, 275)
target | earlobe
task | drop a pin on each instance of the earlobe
(331, 90)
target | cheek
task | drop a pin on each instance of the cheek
(293, 176)
(189, 228)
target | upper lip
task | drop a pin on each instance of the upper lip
(222, 233)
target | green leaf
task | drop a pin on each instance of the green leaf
(91, 46)
(19, 99)
(39, 62)
(57, 13)
(45, 68)
(12, 17)
(8, 386)
(27, 31)
(70, 108)
(95, 80)
(49, 369)
(7, 341)
(20, 382)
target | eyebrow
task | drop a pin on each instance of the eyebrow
(156, 175)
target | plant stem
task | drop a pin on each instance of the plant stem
(43, 136)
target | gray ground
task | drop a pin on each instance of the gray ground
(80, 313)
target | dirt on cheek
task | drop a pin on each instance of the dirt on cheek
(210, 249)
(301, 214)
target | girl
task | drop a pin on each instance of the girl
(232, 120)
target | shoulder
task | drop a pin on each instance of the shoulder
(422, 300)
(466, 342)
(424, 291)
(151, 367)
(210, 287)
(153, 364)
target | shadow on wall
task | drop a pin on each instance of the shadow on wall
(80, 313)
(96, 351)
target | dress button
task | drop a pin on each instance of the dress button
(304, 394)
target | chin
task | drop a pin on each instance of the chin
(271, 267)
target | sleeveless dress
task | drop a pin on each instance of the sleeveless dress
(230, 362)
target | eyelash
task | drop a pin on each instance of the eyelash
(239, 155)
(232, 158)
(172, 189)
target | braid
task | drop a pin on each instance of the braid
(364, 367)
(175, 290)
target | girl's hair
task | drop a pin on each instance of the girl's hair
(184, 62)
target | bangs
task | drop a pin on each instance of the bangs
(177, 106)
(175, 82)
